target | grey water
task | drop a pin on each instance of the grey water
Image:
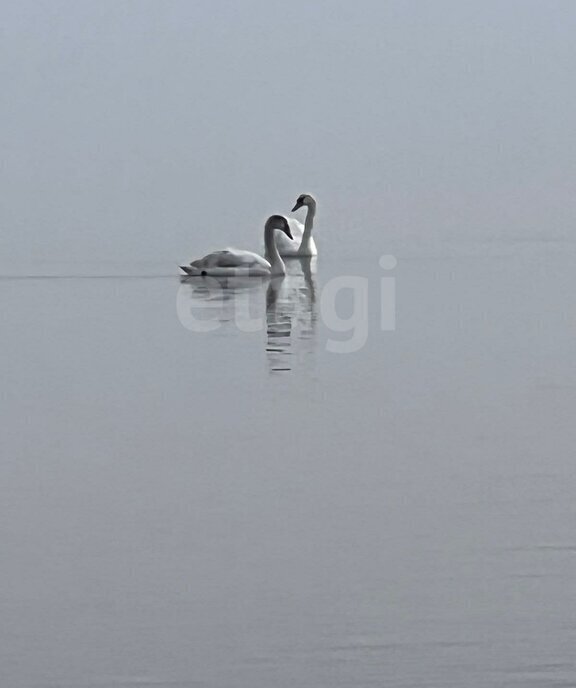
(243, 508)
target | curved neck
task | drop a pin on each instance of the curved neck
(308, 224)
(276, 262)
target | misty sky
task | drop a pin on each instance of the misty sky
(138, 129)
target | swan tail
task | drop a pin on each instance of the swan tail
(194, 270)
(191, 270)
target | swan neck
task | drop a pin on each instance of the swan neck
(276, 262)
(308, 225)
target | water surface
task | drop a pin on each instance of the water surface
(242, 508)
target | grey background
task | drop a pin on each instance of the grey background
(247, 510)
(152, 130)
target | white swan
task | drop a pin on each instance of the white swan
(302, 243)
(232, 262)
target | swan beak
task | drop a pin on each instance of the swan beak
(289, 233)
(295, 208)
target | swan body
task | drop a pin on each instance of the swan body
(231, 262)
(302, 242)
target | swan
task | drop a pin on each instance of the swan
(232, 262)
(302, 243)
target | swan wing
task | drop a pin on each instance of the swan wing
(236, 258)
(297, 229)
(228, 261)
(286, 246)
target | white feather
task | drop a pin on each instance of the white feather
(235, 262)
(291, 247)
(298, 246)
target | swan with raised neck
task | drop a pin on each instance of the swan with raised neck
(307, 246)
(273, 223)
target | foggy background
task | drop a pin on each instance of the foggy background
(140, 130)
(245, 509)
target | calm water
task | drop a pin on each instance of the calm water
(246, 509)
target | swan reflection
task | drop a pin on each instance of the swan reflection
(291, 316)
(206, 304)
(236, 304)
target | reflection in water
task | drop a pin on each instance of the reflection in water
(291, 316)
(219, 305)
(205, 304)
(235, 560)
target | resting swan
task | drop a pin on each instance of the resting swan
(232, 262)
(302, 243)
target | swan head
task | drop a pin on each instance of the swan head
(279, 222)
(304, 200)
